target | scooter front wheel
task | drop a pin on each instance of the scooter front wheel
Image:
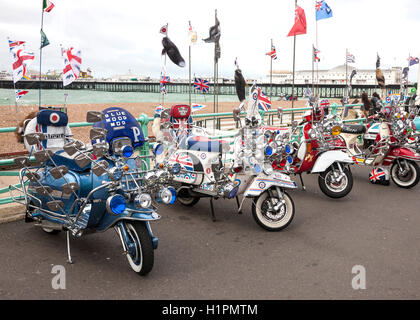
(267, 216)
(408, 177)
(186, 199)
(140, 253)
(333, 188)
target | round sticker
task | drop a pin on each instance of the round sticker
(54, 117)
(261, 185)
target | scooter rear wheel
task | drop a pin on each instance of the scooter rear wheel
(267, 217)
(140, 248)
(407, 179)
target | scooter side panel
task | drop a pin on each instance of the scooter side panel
(264, 182)
(327, 158)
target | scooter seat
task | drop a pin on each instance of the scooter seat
(62, 158)
(200, 143)
(353, 129)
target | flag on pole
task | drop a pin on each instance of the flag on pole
(21, 61)
(72, 63)
(214, 36)
(20, 93)
(300, 23)
(197, 107)
(413, 61)
(47, 5)
(201, 85)
(316, 52)
(164, 80)
(192, 33)
(264, 102)
(350, 58)
(272, 53)
(15, 44)
(164, 30)
(44, 40)
(322, 10)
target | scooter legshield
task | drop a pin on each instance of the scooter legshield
(263, 182)
(327, 158)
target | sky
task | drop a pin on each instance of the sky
(118, 36)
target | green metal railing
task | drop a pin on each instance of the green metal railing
(144, 122)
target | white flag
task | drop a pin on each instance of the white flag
(21, 60)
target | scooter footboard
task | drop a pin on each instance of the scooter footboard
(326, 159)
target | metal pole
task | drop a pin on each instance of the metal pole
(294, 60)
(215, 76)
(313, 60)
(40, 55)
(346, 69)
(189, 83)
(271, 72)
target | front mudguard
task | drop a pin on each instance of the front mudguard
(326, 159)
(263, 182)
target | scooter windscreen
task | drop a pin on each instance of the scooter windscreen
(120, 123)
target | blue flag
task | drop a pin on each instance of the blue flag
(323, 11)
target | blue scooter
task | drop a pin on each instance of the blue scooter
(81, 189)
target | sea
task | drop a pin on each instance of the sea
(56, 97)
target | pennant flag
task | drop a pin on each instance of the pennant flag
(197, 107)
(21, 61)
(44, 40)
(322, 10)
(15, 44)
(351, 58)
(47, 5)
(201, 85)
(20, 93)
(164, 30)
(214, 36)
(272, 53)
(192, 34)
(72, 63)
(316, 52)
(264, 102)
(413, 61)
(300, 23)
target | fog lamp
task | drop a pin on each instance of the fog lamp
(116, 204)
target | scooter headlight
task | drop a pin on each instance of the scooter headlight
(116, 204)
(158, 149)
(143, 200)
(268, 169)
(166, 196)
(127, 151)
(268, 150)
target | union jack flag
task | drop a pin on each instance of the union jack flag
(272, 53)
(377, 174)
(20, 93)
(413, 61)
(325, 103)
(316, 52)
(318, 5)
(14, 44)
(184, 160)
(201, 85)
(264, 102)
(164, 80)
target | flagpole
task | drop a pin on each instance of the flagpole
(215, 76)
(189, 70)
(40, 56)
(313, 61)
(271, 72)
(317, 62)
(294, 60)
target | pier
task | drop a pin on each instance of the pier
(225, 88)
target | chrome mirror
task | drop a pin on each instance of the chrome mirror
(100, 149)
(82, 160)
(43, 155)
(70, 187)
(98, 133)
(43, 191)
(55, 205)
(94, 116)
(22, 162)
(59, 172)
(34, 138)
(100, 168)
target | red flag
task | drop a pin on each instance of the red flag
(300, 23)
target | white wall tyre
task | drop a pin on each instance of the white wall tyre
(51, 231)
(406, 179)
(266, 217)
(335, 190)
(140, 254)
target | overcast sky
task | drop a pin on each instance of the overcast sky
(116, 36)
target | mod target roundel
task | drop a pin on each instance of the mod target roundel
(54, 117)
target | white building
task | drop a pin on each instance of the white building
(336, 75)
